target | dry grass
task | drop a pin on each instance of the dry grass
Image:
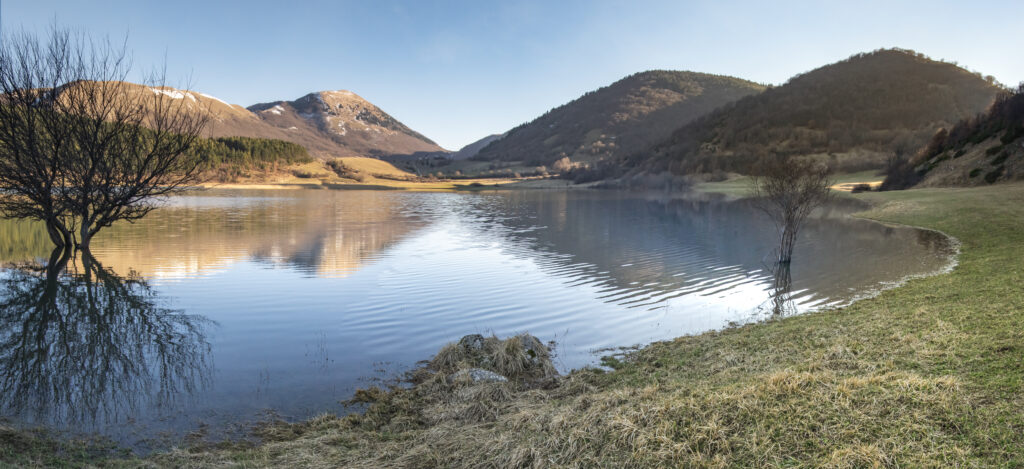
(361, 174)
(373, 167)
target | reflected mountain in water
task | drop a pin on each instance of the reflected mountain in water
(81, 346)
(320, 233)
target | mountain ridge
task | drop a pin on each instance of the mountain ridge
(329, 124)
(863, 108)
(346, 118)
(619, 118)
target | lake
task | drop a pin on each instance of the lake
(225, 305)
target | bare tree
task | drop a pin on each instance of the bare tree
(788, 189)
(80, 147)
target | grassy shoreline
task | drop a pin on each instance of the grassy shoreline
(363, 173)
(929, 374)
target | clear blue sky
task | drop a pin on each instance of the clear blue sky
(458, 70)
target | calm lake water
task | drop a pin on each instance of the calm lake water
(226, 304)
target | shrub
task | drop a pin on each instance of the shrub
(1012, 134)
(994, 175)
(562, 165)
(597, 172)
(860, 188)
(975, 172)
(900, 173)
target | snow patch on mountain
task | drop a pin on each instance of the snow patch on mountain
(173, 93)
(215, 99)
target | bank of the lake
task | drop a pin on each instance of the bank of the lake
(364, 173)
(926, 375)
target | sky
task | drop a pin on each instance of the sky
(457, 71)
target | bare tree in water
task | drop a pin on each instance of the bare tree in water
(80, 147)
(788, 189)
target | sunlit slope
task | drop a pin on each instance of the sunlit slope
(327, 123)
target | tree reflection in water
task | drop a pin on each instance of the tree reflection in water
(780, 297)
(80, 344)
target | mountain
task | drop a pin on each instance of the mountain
(981, 150)
(627, 116)
(328, 124)
(472, 149)
(857, 111)
(341, 123)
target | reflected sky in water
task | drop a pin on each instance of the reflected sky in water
(289, 300)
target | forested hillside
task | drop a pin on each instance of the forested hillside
(980, 150)
(856, 112)
(231, 157)
(627, 116)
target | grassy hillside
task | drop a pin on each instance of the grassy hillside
(328, 124)
(930, 374)
(855, 112)
(981, 150)
(624, 117)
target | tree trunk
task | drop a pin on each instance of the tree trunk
(60, 235)
(86, 239)
(788, 242)
(58, 261)
(781, 289)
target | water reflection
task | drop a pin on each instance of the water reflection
(314, 291)
(81, 345)
(780, 297)
(319, 233)
(643, 251)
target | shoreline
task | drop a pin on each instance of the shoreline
(797, 372)
(449, 185)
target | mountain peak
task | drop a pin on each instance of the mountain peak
(346, 118)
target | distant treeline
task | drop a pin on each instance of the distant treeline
(1004, 119)
(246, 152)
(231, 158)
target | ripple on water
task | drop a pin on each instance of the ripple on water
(309, 294)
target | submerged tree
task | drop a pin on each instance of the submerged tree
(788, 189)
(80, 147)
